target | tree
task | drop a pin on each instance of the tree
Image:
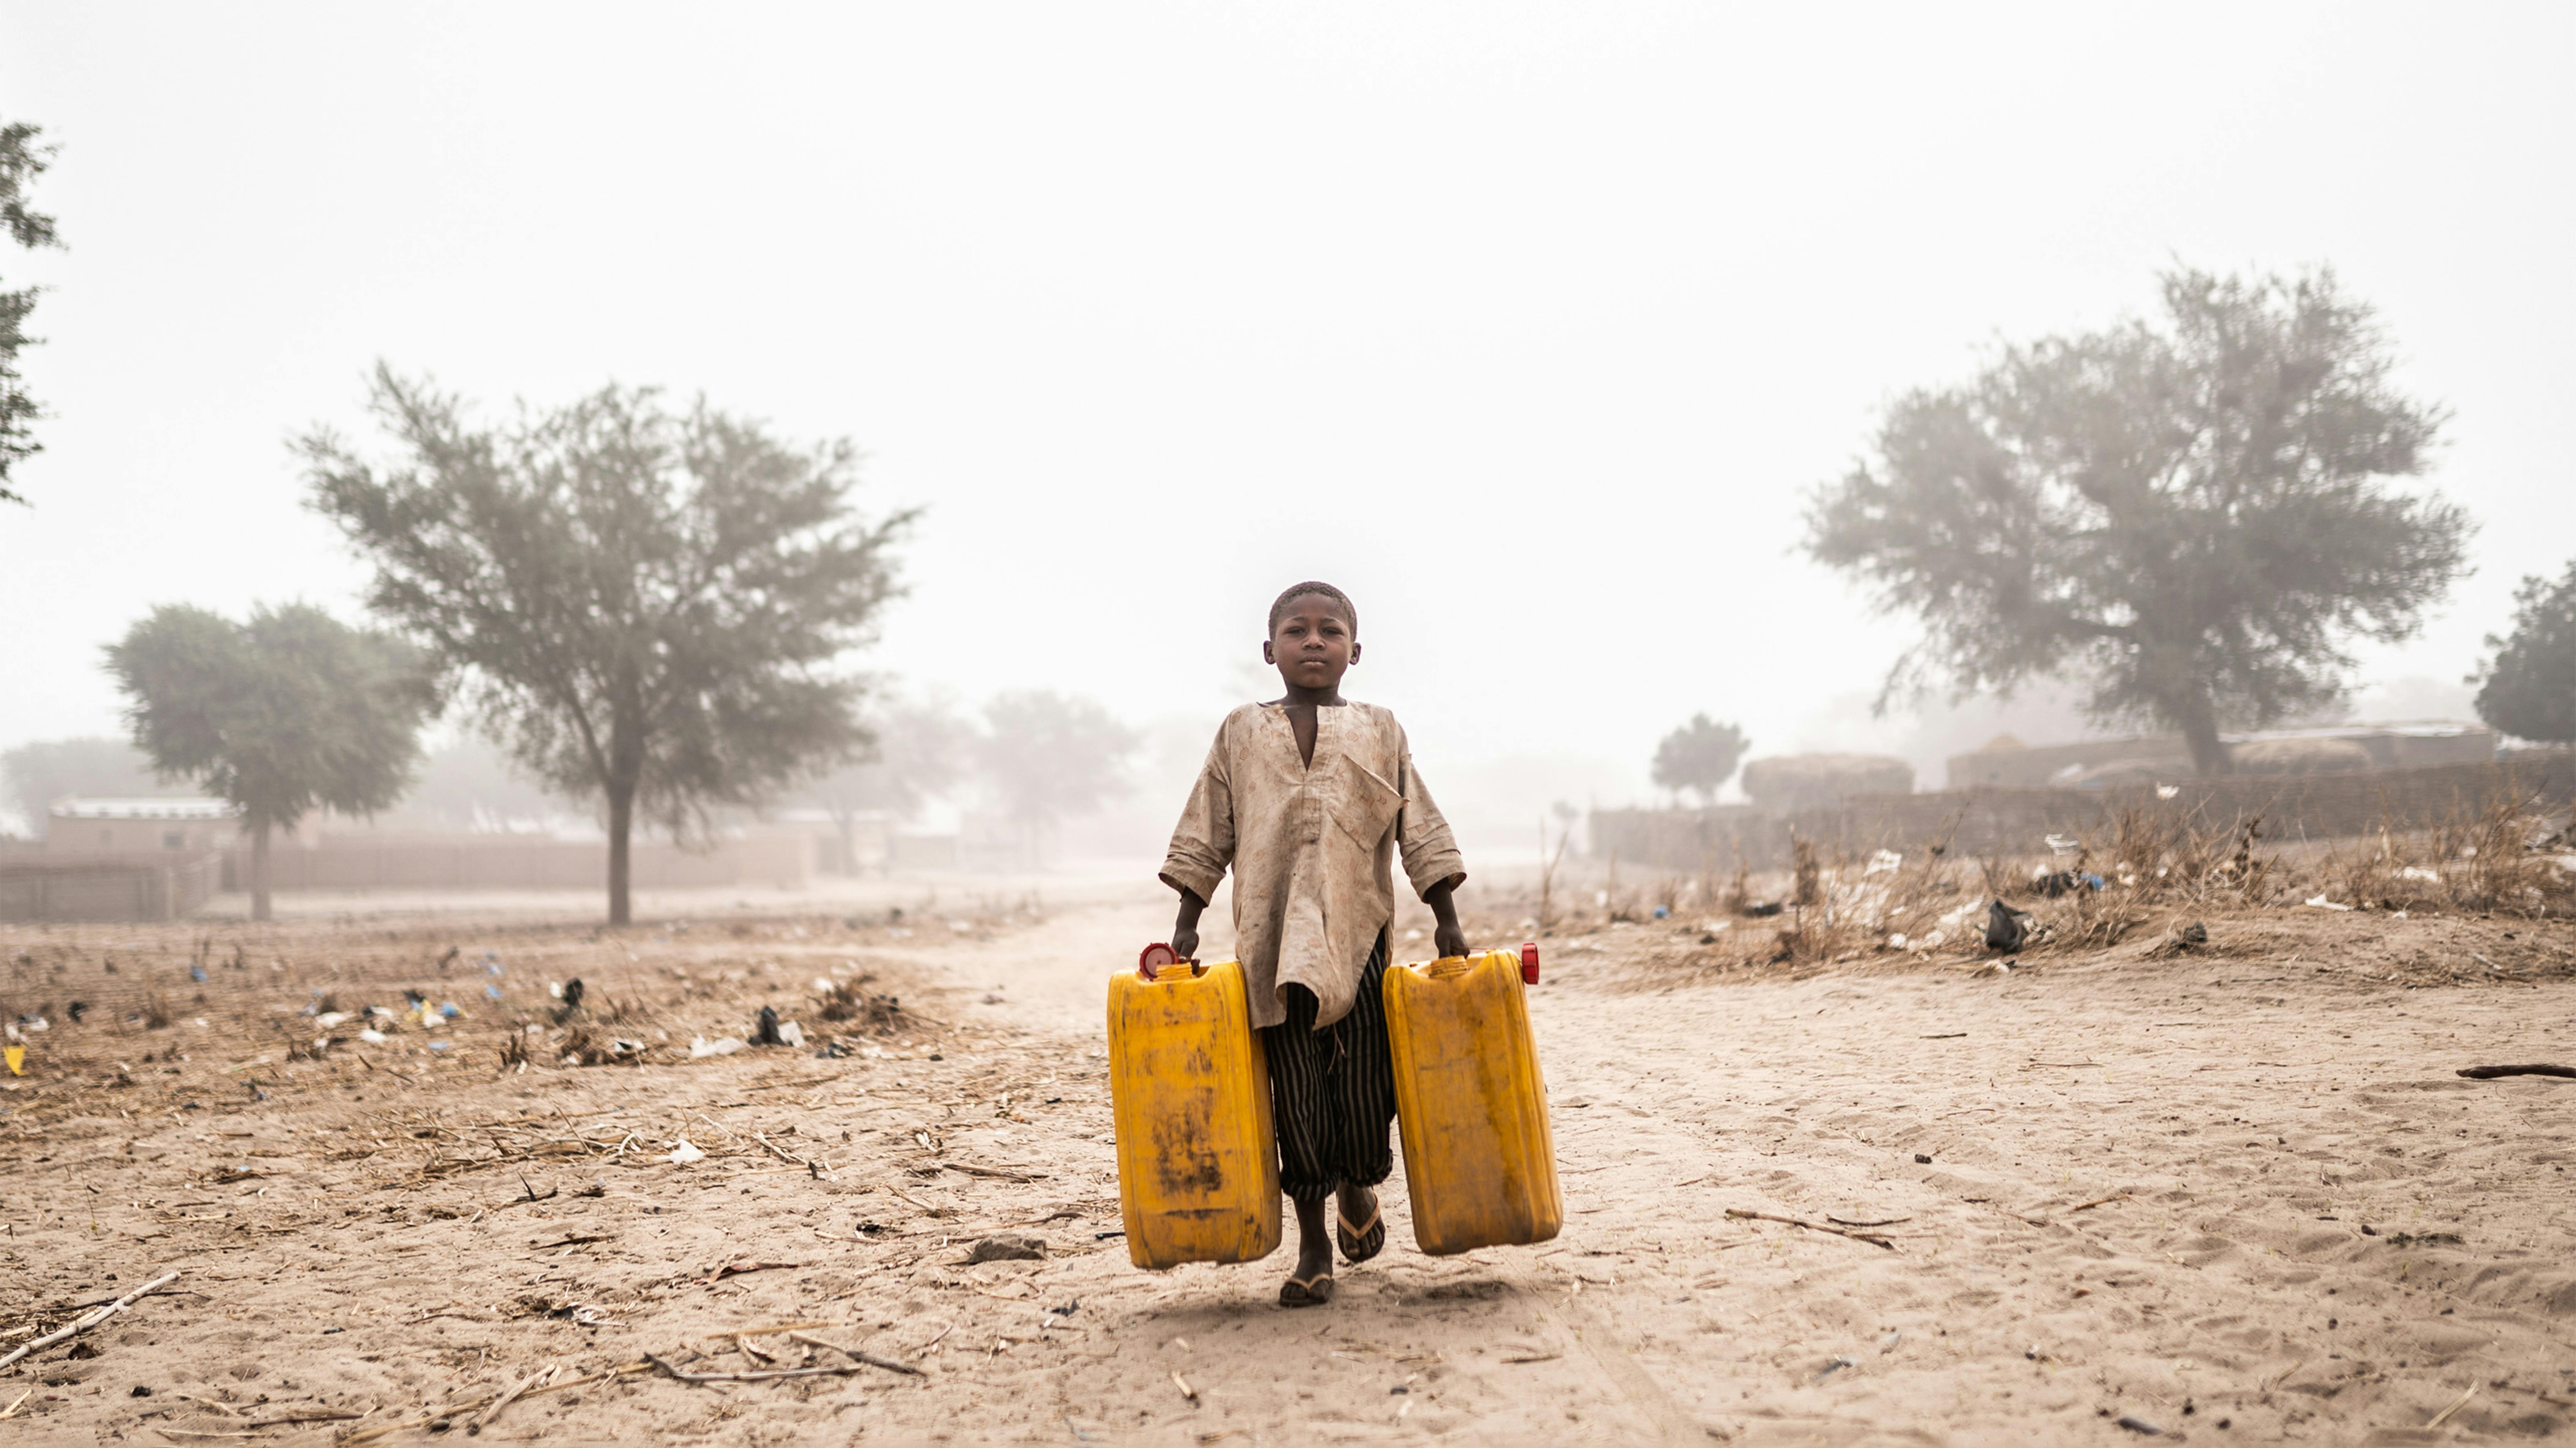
(1699, 756)
(2529, 688)
(640, 605)
(21, 162)
(290, 712)
(2193, 518)
(1050, 756)
(44, 772)
(920, 751)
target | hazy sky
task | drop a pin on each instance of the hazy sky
(1530, 326)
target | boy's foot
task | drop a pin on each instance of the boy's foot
(1312, 1291)
(1362, 1229)
(1310, 1282)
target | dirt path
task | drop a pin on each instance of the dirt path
(2238, 1192)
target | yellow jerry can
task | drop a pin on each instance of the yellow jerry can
(1479, 1159)
(1189, 1087)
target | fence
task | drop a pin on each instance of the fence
(2019, 821)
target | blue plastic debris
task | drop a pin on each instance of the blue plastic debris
(1662, 912)
(438, 1045)
(449, 1009)
(492, 992)
(197, 973)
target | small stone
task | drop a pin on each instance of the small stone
(1921, 1159)
(1007, 1249)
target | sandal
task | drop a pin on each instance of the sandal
(1360, 1243)
(1312, 1291)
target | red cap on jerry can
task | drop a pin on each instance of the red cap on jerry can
(1529, 962)
(1154, 957)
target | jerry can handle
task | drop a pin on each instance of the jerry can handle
(1154, 957)
(1529, 962)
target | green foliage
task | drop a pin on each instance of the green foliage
(41, 773)
(640, 604)
(2529, 688)
(21, 162)
(1050, 755)
(1699, 756)
(290, 712)
(2191, 517)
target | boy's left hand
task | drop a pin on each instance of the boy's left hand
(1449, 939)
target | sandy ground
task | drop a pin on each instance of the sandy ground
(2237, 1196)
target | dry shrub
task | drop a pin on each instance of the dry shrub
(585, 1044)
(514, 1049)
(2494, 857)
(853, 1002)
(156, 1011)
(1806, 873)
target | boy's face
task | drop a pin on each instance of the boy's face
(1312, 645)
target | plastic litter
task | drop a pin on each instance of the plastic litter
(2320, 902)
(17, 1058)
(449, 1010)
(372, 1036)
(197, 973)
(2006, 928)
(790, 1034)
(328, 1019)
(491, 992)
(682, 1153)
(1884, 862)
(764, 1032)
(700, 1047)
(438, 1045)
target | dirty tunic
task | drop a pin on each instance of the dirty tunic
(1310, 845)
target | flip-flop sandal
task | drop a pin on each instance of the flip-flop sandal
(1360, 1243)
(1312, 1291)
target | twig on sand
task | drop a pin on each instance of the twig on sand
(855, 1355)
(1889, 1222)
(2489, 1073)
(84, 1324)
(1871, 1238)
(2282, 1376)
(532, 1380)
(2100, 1202)
(11, 1411)
(759, 1377)
(996, 1172)
(2456, 1404)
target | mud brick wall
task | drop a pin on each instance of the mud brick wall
(2019, 821)
(113, 888)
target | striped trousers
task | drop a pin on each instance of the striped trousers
(1332, 1092)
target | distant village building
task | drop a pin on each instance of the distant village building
(2007, 763)
(138, 826)
(1788, 783)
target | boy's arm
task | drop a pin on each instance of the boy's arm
(1202, 848)
(1431, 859)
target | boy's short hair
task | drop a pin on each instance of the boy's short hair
(1350, 610)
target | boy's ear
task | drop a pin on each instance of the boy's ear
(1267, 656)
(1355, 652)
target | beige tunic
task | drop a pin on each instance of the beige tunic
(1310, 846)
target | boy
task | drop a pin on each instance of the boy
(1308, 798)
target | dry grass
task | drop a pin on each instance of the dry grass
(2158, 871)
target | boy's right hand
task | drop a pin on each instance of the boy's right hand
(1185, 942)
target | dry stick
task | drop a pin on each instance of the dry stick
(2456, 1404)
(760, 1377)
(857, 1356)
(386, 1430)
(1874, 1240)
(2489, 1073)
(986, 1171)
(11, 1411)
(86, 1323)
(2100, 1201)
(1889, 1222)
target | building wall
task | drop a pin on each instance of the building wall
(2034, 767)
(66, 887)
(70, 836)
(784, 861)
(2017, 822)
